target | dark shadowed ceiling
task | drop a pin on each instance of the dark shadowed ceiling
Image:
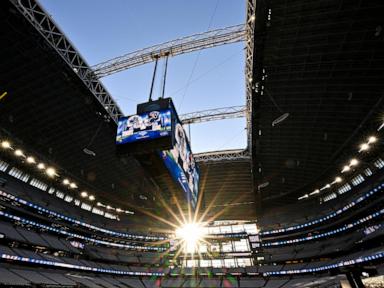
(323, 63)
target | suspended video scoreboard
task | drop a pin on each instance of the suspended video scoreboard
(145, 131)
(156, 129)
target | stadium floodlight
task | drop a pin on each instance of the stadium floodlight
(41, 166)
(338, 179)
(50, 171)
(353, 162)
(73, 185)
(6, 144)
(91, 198)
(317, 191)
(346, 168)
(31, 160)
(84, 194)
(327, 186)
(303, 197)
(191, 234)
(19, 152)
(66, 182)
(364, 147)
(372, 139)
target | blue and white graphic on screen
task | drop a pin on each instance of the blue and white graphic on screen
(145, 126)
(181, 164)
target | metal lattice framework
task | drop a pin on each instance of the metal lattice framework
(225, 155)
(175, 47)
(240, 155)
(43, 23)
(213, 114)
(249, 84)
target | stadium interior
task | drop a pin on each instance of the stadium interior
(82, 205)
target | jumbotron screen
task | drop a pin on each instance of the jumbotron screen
(144, 126)
(181, 164)
(157, 130)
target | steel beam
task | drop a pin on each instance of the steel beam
(249, 81)
(43, 23)
(213, 114)
(225, 155)
(183, 45)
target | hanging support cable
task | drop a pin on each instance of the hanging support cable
(164, 76)
(153, 79)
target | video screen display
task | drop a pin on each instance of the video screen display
(144, 126)
(157, 129)
(181, 164)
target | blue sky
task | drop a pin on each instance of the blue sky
(102, 29)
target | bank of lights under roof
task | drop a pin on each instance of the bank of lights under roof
(84, 194)
(31, 160)
(41, 166)
(346, 168)
(119, 210)
(51, 172)
(366, 146)
(19, 153)
(5, 144)
(73, 185)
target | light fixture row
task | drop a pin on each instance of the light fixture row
(51, 172)
(365, 146)
(350, 165)
(118, 210)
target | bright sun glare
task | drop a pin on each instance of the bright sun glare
(190, 234)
